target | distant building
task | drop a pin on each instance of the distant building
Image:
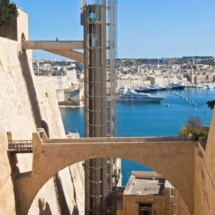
(156, 80)
(74, 96)
(61, 82)
(72, 75)
(209, 78)
(199, 79)
(129, 81)
(146, 193)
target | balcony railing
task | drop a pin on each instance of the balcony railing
(20, 146)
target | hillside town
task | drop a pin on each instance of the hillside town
(68, 75)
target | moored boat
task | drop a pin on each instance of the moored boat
(176, 86)
(121, 90)
(133, 96)
(145, 89)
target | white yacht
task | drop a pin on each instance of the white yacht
(133, 96)
(210, 86)
(121, 90)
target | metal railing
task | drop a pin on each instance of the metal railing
(20, 146)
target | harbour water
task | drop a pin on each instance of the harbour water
(149, 119)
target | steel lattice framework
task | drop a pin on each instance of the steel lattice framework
(99, 20)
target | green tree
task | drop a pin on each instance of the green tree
(211, 104)
(8, 12)
(193, 127)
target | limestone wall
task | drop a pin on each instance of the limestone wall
(204, 185)
(25, 105)
(204, 178)
(161, 204)
(209, 155)
(204, 188)
(180, 207)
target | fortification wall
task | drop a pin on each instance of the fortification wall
(25, 105)
(180, 207)
(204, 188)
(204, 178)
(209, 155)
(204, 185)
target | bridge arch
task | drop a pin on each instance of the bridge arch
(173, 159)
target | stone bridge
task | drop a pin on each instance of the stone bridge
(173, 158)
(62, 48)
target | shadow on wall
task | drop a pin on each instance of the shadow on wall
(45, 126)
(44, 208)
(30, 87)
(61, 197)
(15, 172)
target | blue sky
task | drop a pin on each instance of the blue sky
(145, 28)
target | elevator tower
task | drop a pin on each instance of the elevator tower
(98, 19)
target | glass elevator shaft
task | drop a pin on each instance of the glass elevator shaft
(98, 20)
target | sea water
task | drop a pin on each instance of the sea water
(152, 119)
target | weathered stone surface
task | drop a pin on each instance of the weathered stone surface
(180, 207)
(46, 201)
(56, 154)
(25, 105)
(204, 186)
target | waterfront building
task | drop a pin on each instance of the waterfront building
(199, 79)
(61, 82)
(129, 81)
(146, 193)
(158, 79)
(72, 75)
(73, 97)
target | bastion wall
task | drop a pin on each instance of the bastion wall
(25, 105)
(204, 178)
(204, 185)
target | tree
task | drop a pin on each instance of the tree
(8, 12)
(193, 121)
(211, 104)
(193, 127)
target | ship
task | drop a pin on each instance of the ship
(133, 96)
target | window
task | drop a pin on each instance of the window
(145, 209)
(172, 192)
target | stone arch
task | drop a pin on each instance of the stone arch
(70, 165)
(173, 160)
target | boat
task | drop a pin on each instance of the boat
(121, 90)
(133, 96)
(199, 86)
(176, 86)
(210, 86)
(145, 89)
(160, 87)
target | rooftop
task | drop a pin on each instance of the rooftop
(146, 183)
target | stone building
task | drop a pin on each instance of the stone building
(199, 79)
(146, 193)
(157, 80)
